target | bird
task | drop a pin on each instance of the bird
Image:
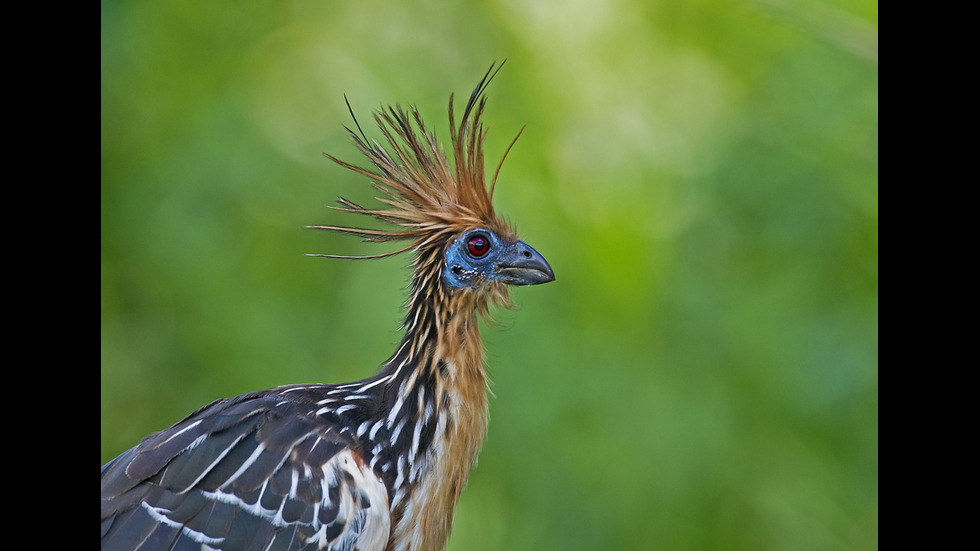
(373, 465)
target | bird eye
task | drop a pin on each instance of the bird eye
(478, 245)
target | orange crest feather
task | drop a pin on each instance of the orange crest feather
(429, 199)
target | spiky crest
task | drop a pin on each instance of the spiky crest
(429, 199)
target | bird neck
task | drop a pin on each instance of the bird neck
(439, 362)
(436, 405)
(442, 343)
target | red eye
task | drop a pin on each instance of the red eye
(478, 245)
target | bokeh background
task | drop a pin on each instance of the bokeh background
(702, 176)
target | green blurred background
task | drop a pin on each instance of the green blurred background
(702, 176)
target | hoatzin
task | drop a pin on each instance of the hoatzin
(372, 465)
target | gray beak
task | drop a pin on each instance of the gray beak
(520, 264)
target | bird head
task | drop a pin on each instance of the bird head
(443, 209)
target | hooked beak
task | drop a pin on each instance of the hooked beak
(520, 264)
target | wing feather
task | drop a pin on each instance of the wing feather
(260, 471)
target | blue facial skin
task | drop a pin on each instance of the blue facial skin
(462, 269)
(511, 263)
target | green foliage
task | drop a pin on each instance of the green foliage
(702, 176)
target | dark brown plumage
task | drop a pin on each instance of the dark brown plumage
(372, 465)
